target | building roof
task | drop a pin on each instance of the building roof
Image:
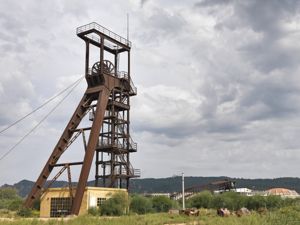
(87, 188)
(282, 192)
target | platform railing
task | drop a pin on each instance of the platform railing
(98, 40)
(124, 75)
(103, 30)
(133, 172)
(107, 143)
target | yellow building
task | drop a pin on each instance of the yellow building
(55, 202)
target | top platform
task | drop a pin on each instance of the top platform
(112, 42)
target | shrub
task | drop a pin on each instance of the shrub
(161, 203)
(24, 212)
(94, 211)
(9, 196)
(255, 202)
(273, 201)
(140, 204)
(201, 200)
(15, 204)
(176, 204)
(117, 205)
(8, 193)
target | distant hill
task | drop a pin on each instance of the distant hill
(173, 184)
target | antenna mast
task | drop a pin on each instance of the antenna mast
(128, 26)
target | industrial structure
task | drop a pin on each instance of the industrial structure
(215, 187)
(55, 201)
(105, 106)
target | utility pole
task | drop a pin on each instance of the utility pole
(183, 200)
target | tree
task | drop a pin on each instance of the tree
(273, 201)
(201, 200)
(140, 204)
(16, 204)
(9, 198)
(255, 202)
(8, 193)
(230, 200)
(117, 205)
(161, 203)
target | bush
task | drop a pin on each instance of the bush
(24, 212)
(161, 203)
(9, 198)
(94, 211)
(176, 204)
(273, 201)
(117, 205)
(233, 200)
(140, 204)
(201, 200)
(256, 202)
(15, 204)
(223, 201)
(8, 193)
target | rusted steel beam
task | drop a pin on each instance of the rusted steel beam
(91, 146)
(58, 151)
(70, 182)
(70, 164)
(54, 178)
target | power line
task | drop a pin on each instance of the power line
(40, 122)
(41, 106)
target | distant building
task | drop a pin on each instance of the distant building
(244, 191)
(283, 192)
(157, 194)
(56, 202)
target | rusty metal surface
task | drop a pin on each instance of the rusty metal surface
(91, 146)
(58, 151)
(107, 98)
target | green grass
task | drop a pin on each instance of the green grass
(285, 216)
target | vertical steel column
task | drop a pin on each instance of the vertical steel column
(87, 58)
(128, 124)
(101, 54)
(97, 169)
(116, 63)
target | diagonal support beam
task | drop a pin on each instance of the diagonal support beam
(91, 147)
(60, 147)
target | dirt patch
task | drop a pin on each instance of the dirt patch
(189, 223)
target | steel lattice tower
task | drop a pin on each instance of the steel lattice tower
(106, 102)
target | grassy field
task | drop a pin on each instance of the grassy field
(285, 216)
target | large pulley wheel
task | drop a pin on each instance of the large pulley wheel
(108, 67)
(96, 69)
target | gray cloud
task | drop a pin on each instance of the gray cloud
(143, 2)
(217, 82)
(267, 18)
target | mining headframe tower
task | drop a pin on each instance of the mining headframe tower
(106, 106)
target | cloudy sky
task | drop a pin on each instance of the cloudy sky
(218, 83)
